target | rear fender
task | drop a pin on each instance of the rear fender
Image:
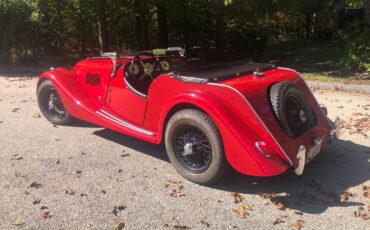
(238, 139)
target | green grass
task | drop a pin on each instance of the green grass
(317, 60)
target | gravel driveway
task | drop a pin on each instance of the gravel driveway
(88, 177)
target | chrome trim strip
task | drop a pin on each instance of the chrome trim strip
(133, 89)
(259, 118)
(115, 119)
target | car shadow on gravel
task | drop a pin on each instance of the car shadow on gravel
(339, 167)
(157, 151)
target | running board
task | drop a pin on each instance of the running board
(123, 123)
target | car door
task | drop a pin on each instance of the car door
(124, 103)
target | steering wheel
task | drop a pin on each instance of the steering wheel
(140, 69)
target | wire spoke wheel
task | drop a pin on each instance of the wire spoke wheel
(192, 148)
(51, 105)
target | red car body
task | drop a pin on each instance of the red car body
(238, 106)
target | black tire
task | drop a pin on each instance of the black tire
(291, 109)
(55, 113)
(207, 161)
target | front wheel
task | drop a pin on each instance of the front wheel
(194, 147)
(51, 105)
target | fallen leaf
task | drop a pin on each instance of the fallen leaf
(205, 223)
(83, 195)
(103, 191)
(117, 208)
(298, 212)
(246, 206)
(345, 196)
(367, 194)
(34, 185)
(280, 219)
(119, 225)
(17, 158)
(83, 153)
(15, 110)
(37, 115)
(298, 224)
(124, 154)
(46, 215)
(266, 195)
(37, 201)
(280, 206)
(176, 193)
(70, 192)
(18, 222)
(237, 197)
(361, 212)
(78, 171)
(57, 162)
(44, 207)
(181, 227)
(240, 213)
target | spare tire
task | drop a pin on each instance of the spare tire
(291, 109)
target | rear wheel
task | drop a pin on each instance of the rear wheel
(51, 105)
(194, 146)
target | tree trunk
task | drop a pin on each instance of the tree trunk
(102, 27)
(308, 25)
(141, 27)
(162, 24)
(220, 26)
(367, 10)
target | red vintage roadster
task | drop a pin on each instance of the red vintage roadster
(257, 118)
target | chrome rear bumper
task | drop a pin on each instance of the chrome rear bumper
(304, 157)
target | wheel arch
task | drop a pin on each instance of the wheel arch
(174, 109)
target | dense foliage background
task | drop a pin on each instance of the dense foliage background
(37, 31)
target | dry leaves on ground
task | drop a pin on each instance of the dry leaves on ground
(119, 225)
(117, 208)
(237, 197)
(247, 206)
(345, 196)
(205, 223)
(181, 227)
(356, 125)
(240, 213)
(280, 219)
(35, 185)
(361, 213)
(176, 192)
(37, 115)
(14, 110)
(366, 190)
(37, 201)
(19, 222)
(46, 215)
(298, 224)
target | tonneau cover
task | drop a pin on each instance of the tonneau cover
(220, 72)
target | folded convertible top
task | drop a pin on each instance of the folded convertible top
(220, 72)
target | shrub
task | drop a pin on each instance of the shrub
(357, 53)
